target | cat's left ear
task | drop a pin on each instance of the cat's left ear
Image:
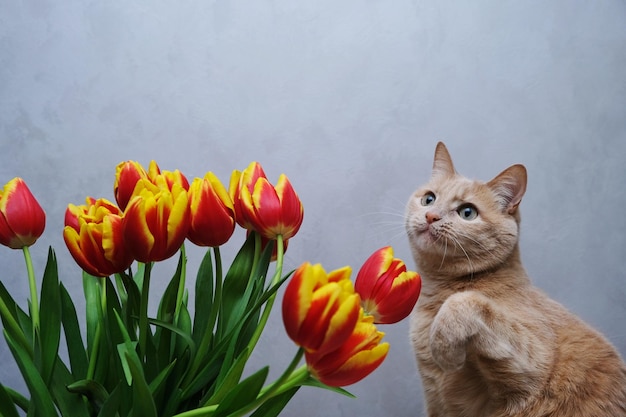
(510, 186)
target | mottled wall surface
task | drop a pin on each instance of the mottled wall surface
(348, 98)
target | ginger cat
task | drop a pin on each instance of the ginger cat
(488, 343)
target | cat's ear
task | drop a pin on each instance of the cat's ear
(442, 165)
(510, 186)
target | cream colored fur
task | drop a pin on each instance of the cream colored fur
(487, 342)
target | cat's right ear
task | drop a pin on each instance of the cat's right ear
(510, 186)
(442, 165)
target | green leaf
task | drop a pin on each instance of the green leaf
(92, 307)
(10, 319)
(95, 393)
(111, 405)
(143, 403)
(74, 341)
(18, 399)
(205, 377)
(244, 393)
(312, 382)
(40, 396)
(159, 382)
(128, 348)
(231, 377)
(69, 404)
(180, 332)
(165, 314)
(50, 308)
(7, 408)
(273, 406)
(203, 297)
(235, 285)
(167, 306)
(130, 305)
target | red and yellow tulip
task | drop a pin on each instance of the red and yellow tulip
(128, 174)
(212, 215)
(267, 209)
(388, 291)
(320, 309)
(22, 220)
(156, 220)
(93, 235)
(356, 358)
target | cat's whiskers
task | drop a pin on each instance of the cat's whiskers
(469, 260)
(480, 245)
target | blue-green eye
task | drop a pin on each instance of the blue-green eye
(428, 199)
(467, 212)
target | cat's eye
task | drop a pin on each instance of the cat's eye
(428, 199)
(467, 212)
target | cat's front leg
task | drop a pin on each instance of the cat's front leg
(461, 320)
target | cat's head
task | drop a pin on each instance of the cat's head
(459, 227)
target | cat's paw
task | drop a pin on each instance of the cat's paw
(451, 331)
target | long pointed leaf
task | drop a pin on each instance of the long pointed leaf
(203, 297)
(143, 403)
(69, 404)
(273, 406)
(235, 284)
(230, 380)
(245, 392)
(40, 396)
(73, 339)
(10, 319)
(50, 308)
(7, 408)
(111, 405)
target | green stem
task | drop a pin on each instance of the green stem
(143, 311)
(181, 284)
(280, 251)
(34, 304)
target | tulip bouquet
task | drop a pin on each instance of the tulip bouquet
(184, 361)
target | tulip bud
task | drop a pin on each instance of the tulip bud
(388, 291)
(22, 220)
(93, 235)
(320, 310)
(269, 210)
(211, 211)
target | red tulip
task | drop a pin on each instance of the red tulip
(388, 291)
(22, 220)
(127, 174)
(211, 211)
(320, 310)
(156, 221)
(267, 209)
(356, 358)
(93, 235)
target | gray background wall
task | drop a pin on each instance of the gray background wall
(348, 98)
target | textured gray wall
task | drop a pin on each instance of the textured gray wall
(348, 98)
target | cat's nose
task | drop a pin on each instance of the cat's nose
(432, 217)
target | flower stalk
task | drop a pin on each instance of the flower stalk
(32, 285)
